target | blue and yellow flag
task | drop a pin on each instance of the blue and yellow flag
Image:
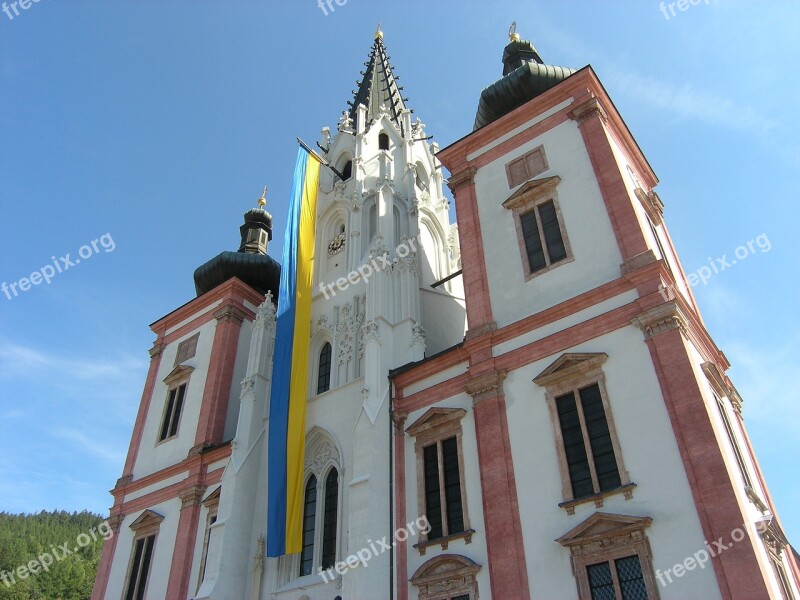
(287, 413)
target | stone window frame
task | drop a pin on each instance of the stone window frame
(434, 426)
(187, 349)
(569, 373)
(179, 376)
(525, 159)
(607, 537)
(526, 199)
(211, 503)
(775, 542)
(447, 576)
(145, 525)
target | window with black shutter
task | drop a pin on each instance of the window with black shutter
(541, 231)
(172, 413)
(628, 584)
(330, 519)
(443, 505)
(584, 423)
(309, 526)
(324, 370)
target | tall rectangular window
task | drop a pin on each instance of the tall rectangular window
(172, 412)
(541, 232)
(443, 488)
(140, 567)
(588, 446)
(309, 527)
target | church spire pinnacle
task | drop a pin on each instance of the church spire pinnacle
(378, 87)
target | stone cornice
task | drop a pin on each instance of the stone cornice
(461, 179)
(488, 385)
(230, 313)
(587, 110)
(661, 319)
(191, 496)
(156, 350)
(533, 190)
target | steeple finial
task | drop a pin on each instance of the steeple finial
(378, 32)
(513, 36)
(262, 201)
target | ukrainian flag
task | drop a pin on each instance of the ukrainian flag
(287, 413)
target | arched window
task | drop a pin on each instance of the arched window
(383, 141)
(324, 371)
(309, 521)
(330, 514)
(347, 170)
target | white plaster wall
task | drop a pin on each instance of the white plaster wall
(154, 457)
(588, 228)
(651, 457)
(162, 554)
(239, 373)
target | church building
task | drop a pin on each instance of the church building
(521, 405)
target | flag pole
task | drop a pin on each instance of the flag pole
(319, 158)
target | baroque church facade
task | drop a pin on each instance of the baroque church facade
(521, 405)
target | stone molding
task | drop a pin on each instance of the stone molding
(231, 313)
(462, 179)
(191, 496)
(661, 319)
(486, 386)
(588, 110)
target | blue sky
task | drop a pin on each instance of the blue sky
(158, 123)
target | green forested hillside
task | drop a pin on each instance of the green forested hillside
(24, 538)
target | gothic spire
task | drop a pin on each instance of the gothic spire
(378, 86)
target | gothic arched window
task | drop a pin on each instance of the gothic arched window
(347, 171)
(330, 519)
(309, 522)
(383, 141)
(324, 369)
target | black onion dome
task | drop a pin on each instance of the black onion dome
(259, 271)
(525, 76)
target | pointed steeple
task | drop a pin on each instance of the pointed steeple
(378, 87)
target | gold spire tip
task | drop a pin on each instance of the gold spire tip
(263, 200)
(378, 32)
(513, 36)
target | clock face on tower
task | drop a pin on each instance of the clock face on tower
(336, 245)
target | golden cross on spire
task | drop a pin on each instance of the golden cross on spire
(263, 200)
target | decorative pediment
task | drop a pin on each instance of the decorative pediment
(435, 418)
(533, 190)
(177, 374)
(605, 529)
(570, 365)
(149, 519)
(448, 573)
(213, 498)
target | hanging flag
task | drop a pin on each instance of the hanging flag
(287, 414)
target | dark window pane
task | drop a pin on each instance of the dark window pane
(173, 430)
(383, 142)
(452, 486)
(324, 374)
(605, 463)
(601, 584)
(552, 232)
(629, 573)
(309, 519)
(137, 563)
(433, 502)
(347, 171)
(533, 243)
(462, 597)
(146, 559)
(329, 526)
(577, 461)
(167, 416)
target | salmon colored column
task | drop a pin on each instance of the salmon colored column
(144, 407)
(476, 283)
(216, 394)
(106, 558)
(737, 569)
(591, 118)
(398, 420)
(506, 553)
(183, 554)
